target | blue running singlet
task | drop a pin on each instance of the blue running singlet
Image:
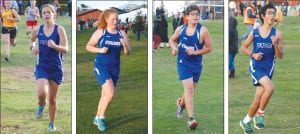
(49, 61)
(48, 56)
(265, 66)
(107, 65)
(189, 65)
(112, 42)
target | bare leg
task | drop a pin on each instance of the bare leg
(107, 94)
(268, 85)
(6, 40)
(256, 101)
(52, 100)
(12, 41)
(188, 95)
(182, 100)
(42, 88)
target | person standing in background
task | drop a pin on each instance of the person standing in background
(233, 44)
(249, 19)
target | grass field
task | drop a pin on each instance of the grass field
(208, 99)
(282, 114)
(18, 91)
(128, 111)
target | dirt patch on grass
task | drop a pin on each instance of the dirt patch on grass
(26, 73)
(9, 127)
(19, 73)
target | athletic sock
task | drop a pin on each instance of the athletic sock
(41, 104)
(260, 112)
(100, 117)
(247, 119)
(191, 118)
(181, 102)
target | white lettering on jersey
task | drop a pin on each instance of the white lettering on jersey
(113, 43)
(185, 46)
(264, 45)
(43, 42)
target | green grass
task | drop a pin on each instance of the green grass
(128, 111)
(282, 112)
(208, 99)
(18, 91)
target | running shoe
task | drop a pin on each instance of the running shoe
(100, 123)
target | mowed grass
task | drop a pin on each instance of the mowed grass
(128, 110)
(282, 112)
(18, 91)
(208, 99)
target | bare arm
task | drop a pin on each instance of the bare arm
(33, 48)
(173, 41)
(206, 40)
(17, 17)
(277, 43)
(125, 44)
(247, 43)
(37, 14)
(91, 45)
(25, 12)
(63, 41)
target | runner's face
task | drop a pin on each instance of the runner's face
(47, 14)
(7, 4)
(269, 18)
(112, 20)
(32, 3)
(193, 17)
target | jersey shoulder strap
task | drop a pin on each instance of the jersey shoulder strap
(198, 28)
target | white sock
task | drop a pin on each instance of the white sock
(260, 112)
(247, 119)
(100, 117)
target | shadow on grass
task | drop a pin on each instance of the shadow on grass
(123, 120)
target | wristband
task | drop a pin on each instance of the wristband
(251, 55)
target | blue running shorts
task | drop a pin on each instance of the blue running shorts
(257, 74)
(104, 73)
(186, 73)
(53, 73)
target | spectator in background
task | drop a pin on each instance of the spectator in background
(127, 20)
(211, 14)
(156, 38)
(242, 6)
(21, 5)
(232, 7)
(70, 8)
(233, 44)
(174, 23)
(249, 19)
(90, 24)
(180, 19)
(298, 8)
(163, 32)
(139, 28)
(57, 8)
(81, 24)
(279, 18)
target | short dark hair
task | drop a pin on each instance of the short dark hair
(191, 8)
(262, 11)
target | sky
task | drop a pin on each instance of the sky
(102, 5)
(171, 6)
